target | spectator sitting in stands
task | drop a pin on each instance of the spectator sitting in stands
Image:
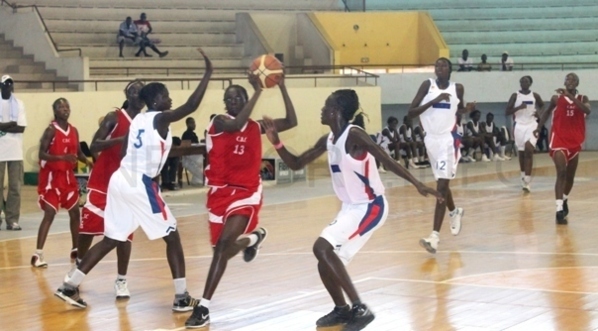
(484, 66)
(127, 32)
(506, 62)
(193, 163)
(465, 63)
(499, 141)
(145, 28)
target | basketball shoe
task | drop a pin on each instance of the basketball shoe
(70, 295)
(361, 317)
(560, 217)
(430, 243)
(121, 289)
(525, 186)
(339, 315)
(184, 302)
(456, 221)
(565, 208)
(199, 318)
(37, 260)
(250, 253)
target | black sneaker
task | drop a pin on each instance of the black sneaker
(565, 208)
(560, 218)
(71, 296)
(199, 318)
(339, 315)
(250, 253)
(186, 303)
(361, 317)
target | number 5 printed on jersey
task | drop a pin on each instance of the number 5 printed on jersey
(139, 142)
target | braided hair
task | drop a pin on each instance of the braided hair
(348, 101)
(149, 92)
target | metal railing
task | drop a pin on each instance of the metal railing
(15, 7)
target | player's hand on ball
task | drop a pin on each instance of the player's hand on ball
(270, 130)
(254, 80)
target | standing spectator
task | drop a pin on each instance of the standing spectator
(484, 66)
(127, 32)
(193, 163)
(506, 62)
(145, 28)
(12, 126)
(465, 63)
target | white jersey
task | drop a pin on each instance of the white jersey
(407, 136)
(460, 129)
(354, 181)
(476, 127)
(440, 118)
(489, 127)
(383, 140)
(146, 150)
(525, 116)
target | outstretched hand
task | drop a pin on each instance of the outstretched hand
(254, 80)
(270, 130)
(424, 190)
(206, 59)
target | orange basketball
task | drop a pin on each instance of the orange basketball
(268, 69)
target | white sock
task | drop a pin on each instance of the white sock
(527, 179)
(180, 286)
(522, 174)
(39, 252)
(502, 150)
(76, 278)
(121, 277)
(559, 204)
(452, 212)
(565, 197)
(204, 302)
(435, 234)
(252, 240)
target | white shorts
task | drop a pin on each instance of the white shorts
(354, 225)
(524, 133)
(444, 154)
(133, 201)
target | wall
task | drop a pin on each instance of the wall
(87, 107)
(280, 30)
(26, 30)
(252, 38)
(312, 41)
(381, 37)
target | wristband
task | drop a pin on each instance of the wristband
(279, 145)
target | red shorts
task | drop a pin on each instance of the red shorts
(92, 215)
(56, 198)
(228, 201)
(570, 153)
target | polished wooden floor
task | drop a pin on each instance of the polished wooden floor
(511, 268)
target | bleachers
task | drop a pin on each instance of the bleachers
(533, 31)
(181, 25)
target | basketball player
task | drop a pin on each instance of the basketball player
(57, 186)
(436, 103)
(234, 148)
(569, 109)
(523, 106)
(351, 156)
(133, 198)
(107, 141)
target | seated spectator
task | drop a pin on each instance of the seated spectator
(506, 62)
(127, 32)
(193, 163)
(484, 66)
(145, 28)
(468, 142)
(168, 173)
(465, 63)
(418, 135)
(412, 148)
(494, 138)
(474, 131)
(388, 139)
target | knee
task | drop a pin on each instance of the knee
(321, 248)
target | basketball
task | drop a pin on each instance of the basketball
(268, 69)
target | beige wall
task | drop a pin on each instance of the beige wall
(87, 107)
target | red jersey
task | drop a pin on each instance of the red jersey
(109, 159)
(568, 124)
(59, 174)
(234, 157)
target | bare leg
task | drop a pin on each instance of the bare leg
(333, 267)
(571, 169)
(96, 254)
(528, 156)
(74, 219)
(123, 255)
(560, 162)
(44, 227)
(83, 244)
(442, 186)
(333, 288)
(175, 255)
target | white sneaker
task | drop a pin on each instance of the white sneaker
(121, 289)
(497, 158)
(430, 243)
(505, 157)
(456, 221)
(381, 170)
(485, 158)
(525, 186)
(37, 260)
(412, 164)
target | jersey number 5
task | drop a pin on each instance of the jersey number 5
(139, 143)
(239, 149)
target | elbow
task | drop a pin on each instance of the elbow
(94, 149)
(295, 166)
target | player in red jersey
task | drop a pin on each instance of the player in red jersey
(569, 110)
(234, 200)
(107, 141)
(57, 186)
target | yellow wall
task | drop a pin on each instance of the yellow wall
(87, 107)
(403, 38)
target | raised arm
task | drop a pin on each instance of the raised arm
(99, 141)
(293, 161)
(290, 120)
(226, 124)
(164, 119)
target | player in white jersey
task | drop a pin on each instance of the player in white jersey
(436, 103)
(496, 136)
(524, 105)
(356, 182)
(133, 198)
(474, 130)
